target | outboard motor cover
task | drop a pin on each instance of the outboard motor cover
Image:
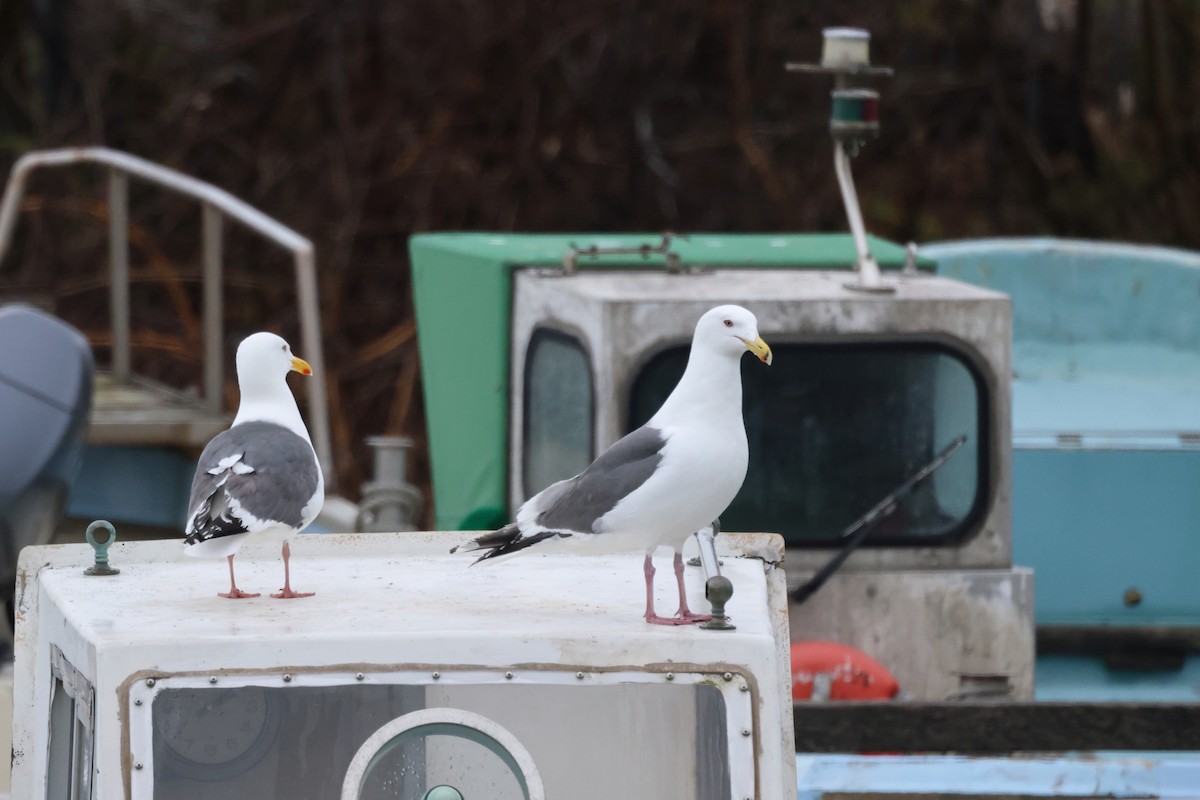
(46, 371)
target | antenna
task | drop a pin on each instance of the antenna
(853, 119)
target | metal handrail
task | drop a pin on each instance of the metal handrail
(216, 205)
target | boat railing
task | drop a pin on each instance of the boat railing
(216, 204)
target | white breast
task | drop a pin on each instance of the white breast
(695, 482)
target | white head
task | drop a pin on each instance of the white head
(263, 363)
(732, 330)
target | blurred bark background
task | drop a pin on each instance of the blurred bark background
(360, 122)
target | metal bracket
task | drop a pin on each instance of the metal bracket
(869, 278)
(674, 263)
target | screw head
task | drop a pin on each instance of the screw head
(745, 731)
(728, 676)
(149, 681)
(138, 765)
(287, 678)
(508, 676)
(212, 678)
(359, 676)
(670, 676)
(744, 688)
(579, 675)
(137, 702)
(1132, 597)
(437, 675)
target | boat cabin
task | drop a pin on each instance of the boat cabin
(409, 674)
(560, 345)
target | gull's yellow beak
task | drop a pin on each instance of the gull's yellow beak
(301, 366)
(760, 349)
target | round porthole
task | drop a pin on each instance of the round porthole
(447, 747)
(443, 792)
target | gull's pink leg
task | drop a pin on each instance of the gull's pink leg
(234, 592)
(651, 617)
(685, 615)
(286, 592)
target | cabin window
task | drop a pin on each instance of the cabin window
(217, 742)
(69, 765)
(834, 428)
(559, 410)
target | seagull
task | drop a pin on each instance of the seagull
(261, 478)
(660, 483)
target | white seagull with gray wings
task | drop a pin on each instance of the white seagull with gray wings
(661, 482)
(260, 479)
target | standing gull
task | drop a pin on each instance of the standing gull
(661, 482)
(260, 479)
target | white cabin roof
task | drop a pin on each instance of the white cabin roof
(390, 585)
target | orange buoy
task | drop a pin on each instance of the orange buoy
(852, 674)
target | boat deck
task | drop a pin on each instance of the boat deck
(140, 412)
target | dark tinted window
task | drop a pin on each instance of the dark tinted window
(558, 410)
(834, 428)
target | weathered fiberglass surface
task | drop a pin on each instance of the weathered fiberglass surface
(1106, 422)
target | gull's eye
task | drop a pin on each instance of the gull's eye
(728, 323)
(285, 348)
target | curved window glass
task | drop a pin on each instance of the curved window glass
(835, 428)
(559, 406)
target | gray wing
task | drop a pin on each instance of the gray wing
(577, 504)
(267, 470)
